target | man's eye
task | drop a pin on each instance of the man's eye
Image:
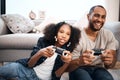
(103, 17)
(96, 15)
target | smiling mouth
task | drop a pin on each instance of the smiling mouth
(98, 25)
(62, 41)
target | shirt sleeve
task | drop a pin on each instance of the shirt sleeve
(112, 42)
(40, 45)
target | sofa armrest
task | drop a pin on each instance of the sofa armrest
(3, 27)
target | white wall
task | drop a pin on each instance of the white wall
(66, 9)
(112, 7)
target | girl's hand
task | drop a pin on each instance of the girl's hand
(66, 57)
(46, 52)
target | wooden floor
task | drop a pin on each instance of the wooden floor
(0, 64)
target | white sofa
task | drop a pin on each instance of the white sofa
(17, 46)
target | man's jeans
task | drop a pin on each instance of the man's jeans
(18, 71)
(90, 73)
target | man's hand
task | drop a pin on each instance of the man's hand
(109, 58)
(87, 58)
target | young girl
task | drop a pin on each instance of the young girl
(44, 63)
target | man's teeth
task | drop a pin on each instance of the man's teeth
(98, 24)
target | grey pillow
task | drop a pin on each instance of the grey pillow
(17, 23)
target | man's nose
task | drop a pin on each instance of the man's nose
(100, 18)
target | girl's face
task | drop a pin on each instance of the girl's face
(63, 35)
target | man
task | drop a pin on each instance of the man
(87, 65)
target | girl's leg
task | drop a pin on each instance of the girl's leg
(9, 70)
(18, 71)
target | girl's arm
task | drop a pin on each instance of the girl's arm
(66, 59)
(44, 52)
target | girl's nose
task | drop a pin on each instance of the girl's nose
(64, 35)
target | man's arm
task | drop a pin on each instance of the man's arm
(112, 47)
(73, 65)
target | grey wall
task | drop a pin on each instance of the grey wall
(2, 6)
(119, 10)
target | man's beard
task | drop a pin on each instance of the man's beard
(92, 27)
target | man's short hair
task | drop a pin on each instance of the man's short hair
(92, 8)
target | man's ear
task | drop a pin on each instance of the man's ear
(88, 15)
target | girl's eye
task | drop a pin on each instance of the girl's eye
(68, 33)
(61, 31)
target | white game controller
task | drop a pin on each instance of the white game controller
(97, 52)
(59, 50)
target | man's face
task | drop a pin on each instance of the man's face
(97, 19)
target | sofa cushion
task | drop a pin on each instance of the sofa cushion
(17, 23)
(117, 65)
(115, 73)
(115, 28)
(19, 41)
